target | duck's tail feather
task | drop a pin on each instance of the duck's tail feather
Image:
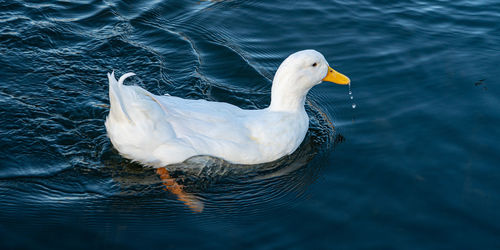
(116, 97)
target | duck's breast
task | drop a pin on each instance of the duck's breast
(277, 134)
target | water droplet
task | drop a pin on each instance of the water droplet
(351, 97)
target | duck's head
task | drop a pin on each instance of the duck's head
(297, 75)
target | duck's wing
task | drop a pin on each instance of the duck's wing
(208, 119)
(146, 127)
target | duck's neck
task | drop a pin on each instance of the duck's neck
(287, 96)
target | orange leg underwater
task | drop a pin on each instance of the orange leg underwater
(175, 188)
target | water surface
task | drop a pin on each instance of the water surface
(414, 165)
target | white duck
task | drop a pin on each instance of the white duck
(162, 130)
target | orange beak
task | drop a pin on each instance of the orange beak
(336, 77)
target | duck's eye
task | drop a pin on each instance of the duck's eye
(315, 64)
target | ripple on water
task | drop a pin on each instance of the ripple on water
(422, 138)
(59, 149)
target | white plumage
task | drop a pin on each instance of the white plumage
(161, 130)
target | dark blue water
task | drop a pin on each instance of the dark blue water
(415, 165)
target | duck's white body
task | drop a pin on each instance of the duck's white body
(162, 130)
